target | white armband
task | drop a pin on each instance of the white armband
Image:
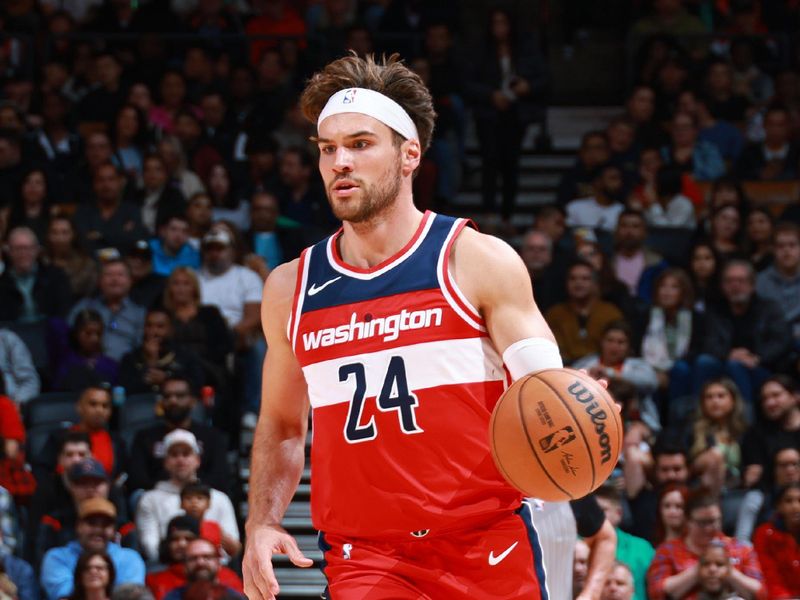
(531, 354)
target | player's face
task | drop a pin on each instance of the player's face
(360, 166)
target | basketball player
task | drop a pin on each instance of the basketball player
(396, 331)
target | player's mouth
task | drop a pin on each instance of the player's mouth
(344, 188)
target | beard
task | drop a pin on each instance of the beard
(176, 414)
(375, 199)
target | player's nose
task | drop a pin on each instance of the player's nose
(343, 161)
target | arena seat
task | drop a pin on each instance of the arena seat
(52, 408)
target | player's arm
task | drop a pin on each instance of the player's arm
(278, 452)
(602, 548)
(494, 278)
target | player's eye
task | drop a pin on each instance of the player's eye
(360, 144)
(327, 149)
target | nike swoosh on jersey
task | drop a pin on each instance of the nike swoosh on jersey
(494, 560)
(314, 289)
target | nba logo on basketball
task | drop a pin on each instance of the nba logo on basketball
(557, 439)
(349, 97)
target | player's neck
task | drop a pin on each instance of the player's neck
(364, 245)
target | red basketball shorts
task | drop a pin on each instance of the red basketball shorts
(500, 561)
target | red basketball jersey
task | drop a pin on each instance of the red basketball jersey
(402, 379)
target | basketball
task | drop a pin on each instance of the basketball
(556, 434)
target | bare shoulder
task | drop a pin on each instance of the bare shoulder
(483, 265)
(278, 295)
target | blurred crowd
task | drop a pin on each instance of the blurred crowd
(155, 166)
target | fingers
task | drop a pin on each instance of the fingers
(295, 555)
(259, 578)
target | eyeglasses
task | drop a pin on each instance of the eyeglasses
(712, 522)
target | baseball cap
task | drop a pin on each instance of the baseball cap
(88, 467)
(141, 248)
(181, 436)
(97, 506)
(218, 236)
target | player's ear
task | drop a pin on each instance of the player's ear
(411, 153)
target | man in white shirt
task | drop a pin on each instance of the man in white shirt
(158, 506)
(236, 291)
(602, 210)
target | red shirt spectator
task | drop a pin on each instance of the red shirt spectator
(776, 543)
(278, 19)
(11, 427)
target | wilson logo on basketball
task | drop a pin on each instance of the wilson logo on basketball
(557, 439)
(578, 391)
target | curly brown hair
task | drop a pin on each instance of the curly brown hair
(389, 76)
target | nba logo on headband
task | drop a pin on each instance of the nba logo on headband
(349, 96)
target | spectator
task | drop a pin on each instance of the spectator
(172, 249)
(17, 485)
(621, 135)
(671, 208)
(758, 227)
(173, 96)
(59, 144)
(774, 159)
(580, 567)
(236, 291)
(687, 153)
(102, 103)
(272, 236)
(670, 466)
(169, 148)
(749, 80)
(129, 136)
(723, 101)
(780, 282)
(619, 584)
(602, 209)
(217, 127)
(12, 434)
(172, 553)
(634, 264)
(20, 573)
(670, 17)
(671, 516)
(614, 361)
(225, 199)
(109, 221)
(537, 254)
(611, 288)
(578, 322)
(725, 191)
(746, 336)
(640, 107)
(147, 285)
(724, 135)
(123, 319)
(94, 577)
(704, 273)
(30, 291)
(202, 565)
(84, 363)
(675, 571)
(198, 327)
(17, 372)
(577, 181)
(301, 196)
(159, 505)
(12, 168)
(506, 84)
(63, 250)
(199, 214)
(32, 210)
(200, 154)
(777, 547)
(146, 367)
(96, 153)
(716, 433)
(146, 465)
(551, 220)
(87, 479)
(715, 572)
(131, 591)
(196, 501)
(634, 553)
(261, 168)
(158, 198)
(95, 530)
(673, 334)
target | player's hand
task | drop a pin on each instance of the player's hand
(262, 543)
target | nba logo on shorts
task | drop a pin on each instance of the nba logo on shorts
(557, 439)
(349, 96)
(346, 548)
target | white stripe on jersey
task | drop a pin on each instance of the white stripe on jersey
(300, 297)
(557, 534)
(440, 275)
(428, 365)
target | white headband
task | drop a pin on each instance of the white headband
(373, 104)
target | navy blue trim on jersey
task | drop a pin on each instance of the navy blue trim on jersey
(325, 547)
(416, 273)
(525, 513)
